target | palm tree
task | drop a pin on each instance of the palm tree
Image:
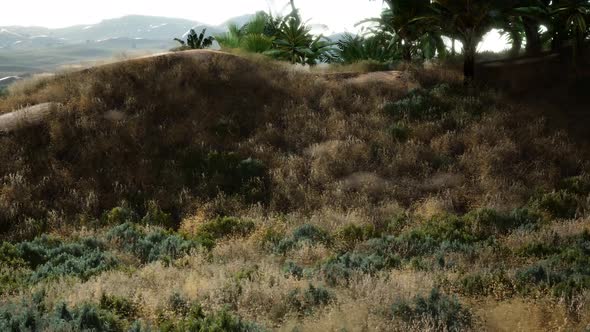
(294, 42)
(533, 14)
(413, 35)
(377, 47)
(468, 21)
(252, 36)
(194, 41)
(400, 17)
(572, 17)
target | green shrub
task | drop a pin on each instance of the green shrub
(306, 233)
(558, 204)
(486, 223)
(50, 258)
(399, 132)
(310, 233)
(396, 224)
(565, 269)
(306, 301)
(190, 316)
(248, 273)
(537, 250)
(14, 271)
(349, 236)
(156, 217)
(225, 226)
(372, 256)
(443, 312)
(226, 172)
(121, 306)
(485, 283)
(293, 270)
(578, 185)
(447, 228)
(156, 245)
(120, 215)
(32, 315)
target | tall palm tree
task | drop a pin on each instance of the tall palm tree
(573, 17)
(533, 14)
(411, 35)
(566, 20)
(468, 21)
(400, 16)
(252, 36)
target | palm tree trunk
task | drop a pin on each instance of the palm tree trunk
(407, 52)
(453, 52)
(534, 44)
(469, 68)
(469, 52)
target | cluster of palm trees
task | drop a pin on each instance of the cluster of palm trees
(418, 26)
(411, 30)
(287, 38)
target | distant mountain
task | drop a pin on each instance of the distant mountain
(133, 27)
(145, 27)
(25, 50)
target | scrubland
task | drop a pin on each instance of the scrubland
(237, 194)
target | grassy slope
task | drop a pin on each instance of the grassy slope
(348, 201)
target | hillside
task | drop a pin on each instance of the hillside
(204, 190)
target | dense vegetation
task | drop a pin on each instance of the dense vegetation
(233, 193)
(296, 201)
(415, 30)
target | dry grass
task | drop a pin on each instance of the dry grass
(334, 156)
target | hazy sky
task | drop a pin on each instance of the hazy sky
(338, 15)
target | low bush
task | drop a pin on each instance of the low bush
(153, 246)
(293, 270)
(564, 268)
(183, 315)
(304, 302)
(305, 234)
(371, 256)
(227, 172)
(349, 236)
(399, 132)
(120, 215)
(437, 311)
(156, 217)
(121, 306)
(558, 204)
(51, 258)
(578, 185)
(33, 315)
(14, 271)
(494, 283)
(485, 223)
(225, 226)
(440, 234)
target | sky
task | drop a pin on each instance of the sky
(337, 15)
